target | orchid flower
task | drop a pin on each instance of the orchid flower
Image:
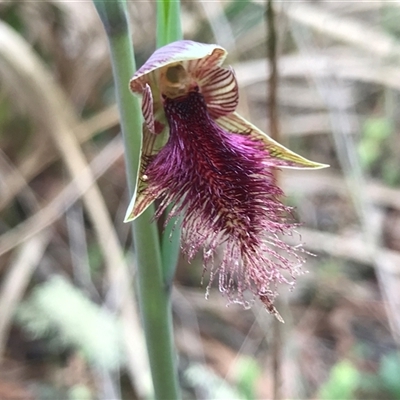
(217, 171)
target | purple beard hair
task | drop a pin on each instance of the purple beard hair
(223, 186)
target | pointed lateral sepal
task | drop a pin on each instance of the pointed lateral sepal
(234, 123)
(139, 202)
(142, 198)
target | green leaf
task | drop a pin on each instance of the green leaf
(378, 128)
(80, 392)
(390, 373)
(390, 172)
(368, 151)
(248, 372)
(343, 381)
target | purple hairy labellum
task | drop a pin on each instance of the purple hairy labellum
(217, 171)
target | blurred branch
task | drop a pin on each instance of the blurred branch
(349, 247)
(343, 29)
(328, 182)
(341, 62)
(219, 23)
(273, 73)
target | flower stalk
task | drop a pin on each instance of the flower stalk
(154, 295)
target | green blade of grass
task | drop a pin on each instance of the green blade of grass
(169, 30)
(168, 22)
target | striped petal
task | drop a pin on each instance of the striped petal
(147, 108)
(286, 158)
(220, 90)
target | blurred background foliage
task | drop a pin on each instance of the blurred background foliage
(68, 322)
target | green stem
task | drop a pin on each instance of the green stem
(154, 296)
(169, 30)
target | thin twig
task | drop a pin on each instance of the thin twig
(273, 77)
(276, 342)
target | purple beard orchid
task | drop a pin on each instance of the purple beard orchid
(217, 171)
